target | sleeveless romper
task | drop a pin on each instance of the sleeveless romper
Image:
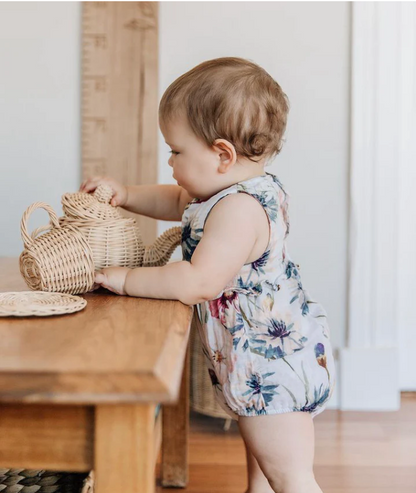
(266, 342)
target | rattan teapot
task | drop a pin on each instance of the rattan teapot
(114, 240)
(92, 235)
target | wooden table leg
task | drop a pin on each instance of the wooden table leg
(123, 448)
(175, 425)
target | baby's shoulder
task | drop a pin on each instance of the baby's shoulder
(235, 203)
(238, 212)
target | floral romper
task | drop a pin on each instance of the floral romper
(266, 342)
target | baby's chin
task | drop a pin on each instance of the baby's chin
(192, 193)
(189, 192)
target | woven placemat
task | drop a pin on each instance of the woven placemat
(39, 304)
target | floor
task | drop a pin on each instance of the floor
(355, 452)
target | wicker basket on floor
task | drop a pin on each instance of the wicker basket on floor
(41, 481)
(202, 394)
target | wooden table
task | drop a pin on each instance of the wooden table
(79, 391)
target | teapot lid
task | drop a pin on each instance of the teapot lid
(91, 206)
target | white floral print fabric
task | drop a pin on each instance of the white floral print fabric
(266, 341)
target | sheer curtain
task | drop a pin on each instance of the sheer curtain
(377, 361)
(406, 313)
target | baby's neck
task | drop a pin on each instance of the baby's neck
(244, 170)
(240, 171)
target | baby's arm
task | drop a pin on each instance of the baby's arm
(230, 233)
(164, 202)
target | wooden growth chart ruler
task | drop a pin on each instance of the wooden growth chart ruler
(119, 94)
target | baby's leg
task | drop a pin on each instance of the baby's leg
(284, 446)
(257, 481)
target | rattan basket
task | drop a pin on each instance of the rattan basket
(41, 481)
(59, 260)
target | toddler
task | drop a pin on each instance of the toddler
(266, 341)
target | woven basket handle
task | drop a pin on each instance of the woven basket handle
(54, 222)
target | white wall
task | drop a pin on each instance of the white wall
(39, 112)
(305, 47)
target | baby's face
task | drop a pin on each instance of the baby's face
(194, 164)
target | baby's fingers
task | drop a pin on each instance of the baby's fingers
(90, 187)
(115, 200)
(85, 185)
(89, 184)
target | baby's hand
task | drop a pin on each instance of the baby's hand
(119, 190)
(113, 279)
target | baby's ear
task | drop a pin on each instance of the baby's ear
(226, 152)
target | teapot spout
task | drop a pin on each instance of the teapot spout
(160, 252)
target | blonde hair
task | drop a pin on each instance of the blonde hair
(230, 98)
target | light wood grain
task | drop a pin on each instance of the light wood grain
(56, 437)
(124, 448)
(174, 470)
(118, 349)
(120, 95)
(47, 437)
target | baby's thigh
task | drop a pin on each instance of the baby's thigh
(283, 444)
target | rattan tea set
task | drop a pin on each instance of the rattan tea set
(60, 259)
